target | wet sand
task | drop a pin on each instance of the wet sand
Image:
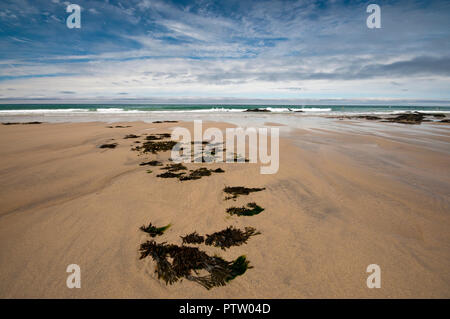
(341, 200)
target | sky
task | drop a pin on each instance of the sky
(225, 51)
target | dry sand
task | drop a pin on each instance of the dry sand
(338, 203)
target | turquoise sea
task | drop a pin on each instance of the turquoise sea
(118, 108)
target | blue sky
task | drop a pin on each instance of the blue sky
(201, 51)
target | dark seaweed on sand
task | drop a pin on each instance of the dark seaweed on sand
(155, 147)
(230, 237)
(118, 126)
(196, 174)
(187, 261)
(170, 175)
(174, 167)
(193, 238)
(130, 136)
(199, 173)
(151, 163)
(235, 191)
(154, 231)
(158, 136)
(112, 145)
(250, 210)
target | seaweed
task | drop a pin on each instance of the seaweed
(235, 191)
(149, 171)
(174, 167)
(155, 147)
(112, 145)
(154, 231)
(239, 267)
(199, 173)
(170, 175)
(159, 253)
(153, 138)
(196, 174)
(119, 126)
(151, 163)
(230, 237)
(130, 136)
(193, 238)
(188, 260)
(250, 210)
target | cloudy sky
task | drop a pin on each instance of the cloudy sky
(154, 50)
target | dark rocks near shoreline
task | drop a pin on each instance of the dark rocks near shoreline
(159, 122)
(406, 118)
(257, 110)
(21, 123)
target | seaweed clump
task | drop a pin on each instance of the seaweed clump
(154, 231)
(112, 145)
(174, 167)
(235, 191)
(119, 126)
(250, 210)
(170, 175)
(199, 173)
(158, 136)
(188, 261)
(155, 147)
(130, 136)
(196, 174)
(151, 163)
(230, 237)
(193, 238)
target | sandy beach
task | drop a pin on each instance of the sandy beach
(343, 198)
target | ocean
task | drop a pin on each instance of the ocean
(150, 112)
